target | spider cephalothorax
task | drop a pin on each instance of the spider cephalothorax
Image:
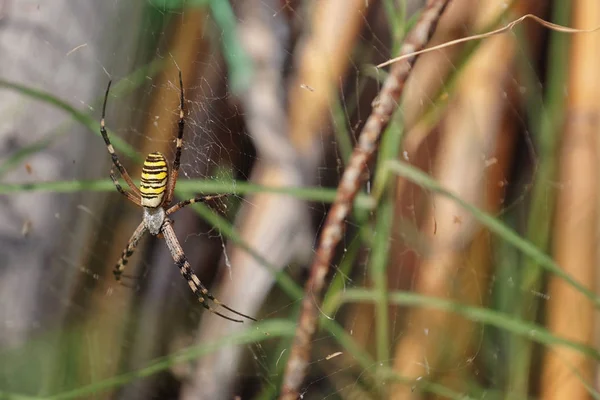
(154, 195)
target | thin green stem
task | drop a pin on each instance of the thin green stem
(378, 270)
(548, 116)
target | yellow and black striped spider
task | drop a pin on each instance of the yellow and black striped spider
(154, 196)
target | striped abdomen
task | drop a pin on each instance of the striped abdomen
(154, 180)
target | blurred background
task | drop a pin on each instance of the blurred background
(475, 278)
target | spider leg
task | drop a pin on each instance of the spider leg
(131, 197)
(179, 144)
(217, 302)
(111, 150)
(128, 251)
(194, 283)
(200, 199)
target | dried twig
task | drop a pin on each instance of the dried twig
(383, 108)
(504, 29)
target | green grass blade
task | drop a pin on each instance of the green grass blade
(85, 119)
(315, 194)
(476, 314)
(422, 179)
(124, 86)
(254, 334)
(239, 63)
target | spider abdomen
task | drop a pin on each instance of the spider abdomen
(154, 180)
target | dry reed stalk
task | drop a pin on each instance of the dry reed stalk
(383, 107)
(569, 314)
(287, 142)
(104, 323)
(472, 161)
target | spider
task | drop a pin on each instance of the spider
(154, 196)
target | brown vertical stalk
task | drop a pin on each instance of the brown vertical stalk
(419, 117)
(383, 107)
(102, 322)
(569, 313)
(476, 139)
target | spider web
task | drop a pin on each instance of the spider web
(69, 329)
